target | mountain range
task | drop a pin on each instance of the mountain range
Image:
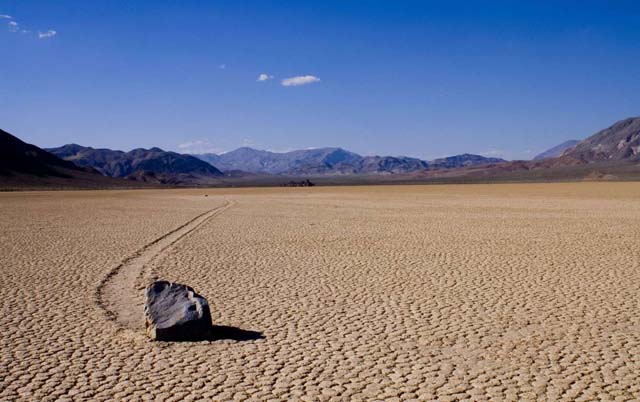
(464, 160)
(148, 165)
(612, 152)
(332, 161)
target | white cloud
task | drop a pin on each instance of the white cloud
(5, 16)
(13, 26)
(199, 147)
(265, 77)
(497, 153)
(222, 66)
(50, 33)
(299, 80)
(248, 142)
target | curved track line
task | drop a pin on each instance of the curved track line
(119, 294)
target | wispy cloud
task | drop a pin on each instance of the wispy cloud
(222, 66)
(264, 77)
(299, 80)
(248, 142)
(199, 147)
(280, 150)
(49, 34)
(508, 154)
(495, 152)
(14, 26)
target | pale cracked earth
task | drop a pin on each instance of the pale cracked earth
(478, 292)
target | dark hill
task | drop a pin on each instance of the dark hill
(17, 156)
(153, 164)
(25, 166)
(620, 142)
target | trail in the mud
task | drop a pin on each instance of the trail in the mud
(120, 293)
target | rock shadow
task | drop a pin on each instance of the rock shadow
(220, 333)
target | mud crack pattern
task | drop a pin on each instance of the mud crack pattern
(502, 292)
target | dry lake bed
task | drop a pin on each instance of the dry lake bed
(468, 292)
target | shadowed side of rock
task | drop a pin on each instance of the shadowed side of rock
(175, 312)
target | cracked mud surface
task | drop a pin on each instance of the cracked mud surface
(483, 292)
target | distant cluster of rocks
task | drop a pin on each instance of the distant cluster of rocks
(303, 183)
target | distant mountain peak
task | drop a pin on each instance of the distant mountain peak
(619, 142)
(557, 150)
(463, 160)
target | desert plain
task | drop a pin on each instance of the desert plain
(442, 292)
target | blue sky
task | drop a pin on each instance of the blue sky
(416, 78)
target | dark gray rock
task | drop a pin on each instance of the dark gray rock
(175, 312)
